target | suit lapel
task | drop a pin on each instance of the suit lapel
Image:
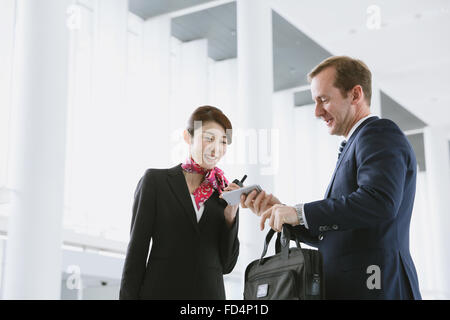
(347, 146)
(178, 184)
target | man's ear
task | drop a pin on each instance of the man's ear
(187, 137)
(357, 93)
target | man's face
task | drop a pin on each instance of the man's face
(337, 111)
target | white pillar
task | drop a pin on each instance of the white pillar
(33, 257)
(375, 106)
(254, 117)
(7, 13)
(157, 57)
(438, 176)
(284, 113)
(255, 79)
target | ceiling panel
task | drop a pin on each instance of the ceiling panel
(391, 109)
(294, 54)
(150, 8)
(303, 98)
(217, 24)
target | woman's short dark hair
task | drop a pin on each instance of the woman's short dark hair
(210, 113)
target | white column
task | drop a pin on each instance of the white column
(157, 55)
(188, 90)
(33, 257)
(254, 117)
(255, 79)
(375, 106)
(7, 14)
(438, 176)
(284, 113)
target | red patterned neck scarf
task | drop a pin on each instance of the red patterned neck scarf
(214, 179)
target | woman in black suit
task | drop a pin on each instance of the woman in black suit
(193, 231)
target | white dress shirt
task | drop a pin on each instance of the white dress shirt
(357, 125)
(350, 133)
(198, 212)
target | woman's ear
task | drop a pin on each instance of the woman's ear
(187, 137)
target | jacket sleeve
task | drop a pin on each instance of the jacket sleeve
(382, 157)
(142, 222)
(302, 234)
(229, 246)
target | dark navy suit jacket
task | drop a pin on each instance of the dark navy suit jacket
(365, 217)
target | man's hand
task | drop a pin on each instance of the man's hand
(278, 215)
(261, 203)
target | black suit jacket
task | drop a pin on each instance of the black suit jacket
(187, 258)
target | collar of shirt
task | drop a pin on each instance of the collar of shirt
(357, 125)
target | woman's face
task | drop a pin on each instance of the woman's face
(208, 145)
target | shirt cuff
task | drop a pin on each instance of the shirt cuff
(304, 216)
(300, 208)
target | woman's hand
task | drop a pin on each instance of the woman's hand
(230, 211)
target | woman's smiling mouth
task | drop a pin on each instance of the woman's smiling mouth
(210, 158)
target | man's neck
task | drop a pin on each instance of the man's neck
(364, 113)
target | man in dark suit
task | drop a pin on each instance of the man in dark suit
(362, 226)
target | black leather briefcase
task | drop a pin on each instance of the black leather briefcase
(292, 273)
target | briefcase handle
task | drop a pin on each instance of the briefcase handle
(281, 244)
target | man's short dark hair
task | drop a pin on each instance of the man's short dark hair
(349, 73)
